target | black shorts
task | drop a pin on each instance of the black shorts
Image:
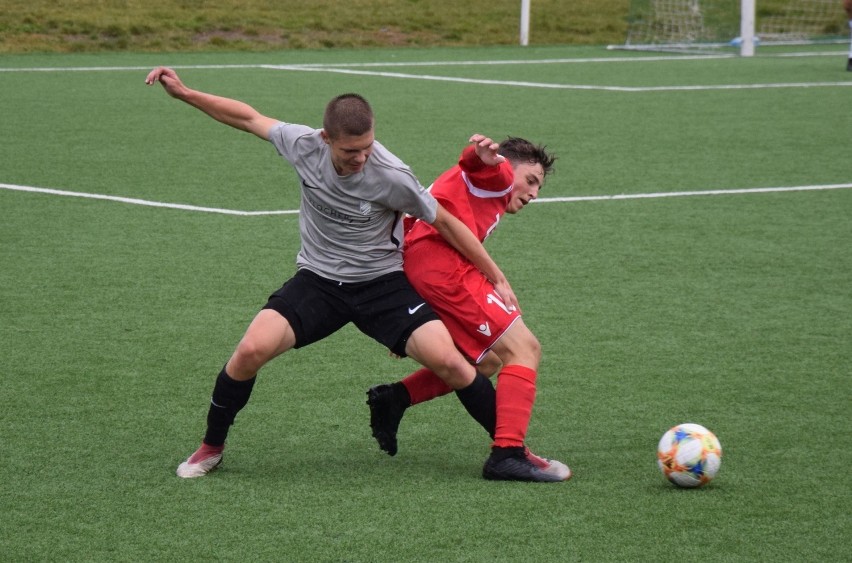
(387, 308)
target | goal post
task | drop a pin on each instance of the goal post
(662, 25)
(747, 14)
(525, 23)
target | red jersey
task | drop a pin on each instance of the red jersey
(466, 301)
(473, 192)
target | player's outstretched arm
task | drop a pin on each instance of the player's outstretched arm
(462, 239)
(235, 113)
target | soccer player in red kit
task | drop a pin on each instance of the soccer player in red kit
(490, 180)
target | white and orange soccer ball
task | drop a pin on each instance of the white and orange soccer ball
(689, 455)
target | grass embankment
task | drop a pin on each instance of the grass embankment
(258, 25)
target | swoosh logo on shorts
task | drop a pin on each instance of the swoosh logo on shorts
(310, 187)
(412, 310)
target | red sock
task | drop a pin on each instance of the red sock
(424, 385)
(205, 451)
(515, 398)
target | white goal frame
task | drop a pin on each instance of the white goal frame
(747, 16)
(525, 23)
(771, 28)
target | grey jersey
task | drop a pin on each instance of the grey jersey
(350, 226)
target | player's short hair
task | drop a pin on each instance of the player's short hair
(517, 150)
(347, 114)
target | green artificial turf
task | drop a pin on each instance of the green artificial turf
(733, 311)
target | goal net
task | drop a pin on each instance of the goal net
(690, 24)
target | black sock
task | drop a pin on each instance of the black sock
(229, 397)
(499, 454)
(401, 394)
(480, 400)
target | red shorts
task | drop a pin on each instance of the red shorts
(464, 299)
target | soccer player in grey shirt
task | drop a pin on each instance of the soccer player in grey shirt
(355, 194)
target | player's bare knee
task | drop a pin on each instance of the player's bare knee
(431, 346)
(249, 357)
(453, 369)
(534, 347)
(490, 365)
(523, 349)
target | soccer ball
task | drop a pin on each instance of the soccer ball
(689, 455)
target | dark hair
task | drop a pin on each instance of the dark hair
(347, 114)
(517, 150)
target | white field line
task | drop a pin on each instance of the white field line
(145, 202)
(390, 64)
(658, 195)
(634, 59)
(655, 195)
(349, 68)
(565, 86)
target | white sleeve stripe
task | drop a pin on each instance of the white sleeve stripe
(479, 192)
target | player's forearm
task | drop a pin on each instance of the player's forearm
(460, 237)
(231, 112)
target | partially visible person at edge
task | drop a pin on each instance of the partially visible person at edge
(847, 5)
(354, 194)
(489, 181)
